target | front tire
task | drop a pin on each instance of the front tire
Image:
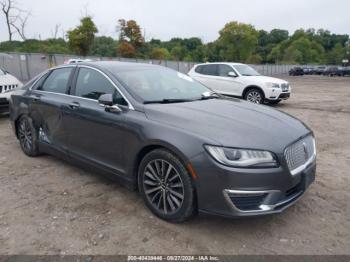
(28, 137)
(165, 186)
(254, 95)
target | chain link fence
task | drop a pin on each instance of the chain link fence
(25, 66)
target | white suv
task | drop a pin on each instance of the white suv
(240, 80)
(8, 83)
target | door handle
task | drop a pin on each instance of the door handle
(74, 105)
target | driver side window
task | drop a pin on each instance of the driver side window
(92, 84)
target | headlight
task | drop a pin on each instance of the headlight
(273, 85)
(241, 157)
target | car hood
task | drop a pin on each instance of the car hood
(9, 80)
(231, 122)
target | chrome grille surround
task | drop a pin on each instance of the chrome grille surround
(300, 154)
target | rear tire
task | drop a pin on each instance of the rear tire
(28, 136)
(254, 95)
(166, 187)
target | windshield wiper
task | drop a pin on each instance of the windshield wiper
(168, 101)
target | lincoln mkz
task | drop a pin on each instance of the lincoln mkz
(184, 147)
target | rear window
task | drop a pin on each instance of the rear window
(210, 70)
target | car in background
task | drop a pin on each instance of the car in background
(8, 83)
(320, 70)
(76, 60)
(308, 70)
(185, 148)
(333, 71)
(296, 71)
(345, 71)
(240, 80)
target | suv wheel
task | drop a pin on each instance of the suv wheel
(254, 95)
(166, 186)
(27, 136)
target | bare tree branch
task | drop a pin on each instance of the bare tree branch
(16, 18)
(54, 32)
(21, 25)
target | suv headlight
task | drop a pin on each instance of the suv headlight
(242, 158)
(273, 85)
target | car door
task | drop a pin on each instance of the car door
(95, 135)
(47, 97)
(229, 84)
(215, 76)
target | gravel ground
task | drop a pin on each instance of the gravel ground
(51, 207)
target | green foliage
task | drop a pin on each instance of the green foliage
(237, 42)
(82, 37)
(50, 46)
(160, 53)
(104, 46)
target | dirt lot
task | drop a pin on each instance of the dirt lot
(50, 207)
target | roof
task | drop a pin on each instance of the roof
(221, 63)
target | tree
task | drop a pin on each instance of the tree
(160, 53)
(125, 49)
(237, 41)
(178, 53)
(276, 36)
(82, 37)
(16, 18)
(336, 55)
(103, 46)
(130, 32)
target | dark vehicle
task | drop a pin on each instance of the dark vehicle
(319, 70)
(296, 71)
(345, 71)
(185, 148)
(333, 71)
(308, 70)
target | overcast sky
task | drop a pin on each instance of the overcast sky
(165, 19)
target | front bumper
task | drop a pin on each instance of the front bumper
(272, 94)
(233, 192)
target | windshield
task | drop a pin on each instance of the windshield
(246, 70)
(153, 84)
(2, 73)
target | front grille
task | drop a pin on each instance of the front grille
(5, 88)
(300, 152)
(247, 202)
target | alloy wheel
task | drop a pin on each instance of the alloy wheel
(25, 135)
(254, 97)
(163, 186)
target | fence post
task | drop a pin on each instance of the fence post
(20, 66)
(27, 66)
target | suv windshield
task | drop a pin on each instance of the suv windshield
(157, 84)
(246, 70)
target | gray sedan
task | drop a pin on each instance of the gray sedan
(185, 148)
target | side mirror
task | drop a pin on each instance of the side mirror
(106, 101)
(232, 74)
